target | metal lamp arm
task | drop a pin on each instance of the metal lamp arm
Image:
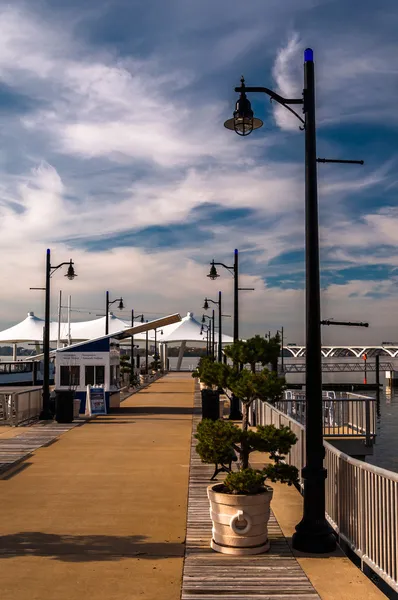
(230, 269)
(53, 269)
(213, 301)
(113, 301)
(274, 96)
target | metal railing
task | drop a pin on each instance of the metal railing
(361, 499)
(20, 407)
(344, 414)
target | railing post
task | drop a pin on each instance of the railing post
(368, 441)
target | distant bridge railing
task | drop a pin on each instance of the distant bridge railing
(361, 499)
(338, 367)
(344, 415)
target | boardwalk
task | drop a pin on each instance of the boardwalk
(101, 513)
(209, 575)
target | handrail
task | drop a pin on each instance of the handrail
(361, 499)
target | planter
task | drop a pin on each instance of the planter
(240, 523)
(210, 404)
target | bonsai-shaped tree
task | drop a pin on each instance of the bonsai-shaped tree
(255, 350)
(218, 439)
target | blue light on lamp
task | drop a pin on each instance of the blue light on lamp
(308, 55)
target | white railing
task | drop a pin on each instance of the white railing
(361, 499)
(20, 407)
(344, 415)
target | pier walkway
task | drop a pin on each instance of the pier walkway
(102, 513)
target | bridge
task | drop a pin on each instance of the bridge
(338, 367)
(357, 351)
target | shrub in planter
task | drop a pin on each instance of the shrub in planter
(240, 506)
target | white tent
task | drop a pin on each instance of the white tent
(187, 330)
(28, 330)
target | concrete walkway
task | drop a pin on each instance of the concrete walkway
(101, 513)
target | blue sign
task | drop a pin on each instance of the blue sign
(97, 401)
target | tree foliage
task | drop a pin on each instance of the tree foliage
(219, 440)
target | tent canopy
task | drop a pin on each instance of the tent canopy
(187, 330)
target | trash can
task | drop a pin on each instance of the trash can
(64, 406)
(210, 404)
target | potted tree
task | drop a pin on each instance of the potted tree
(240, 505)
(207, 373)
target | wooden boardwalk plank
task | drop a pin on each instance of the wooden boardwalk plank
(209, 575)
(15, 450)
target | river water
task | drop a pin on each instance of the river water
(386, 447)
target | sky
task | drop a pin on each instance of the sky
(114, 154)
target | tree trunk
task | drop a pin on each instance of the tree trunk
(253, 367)
(245, 416)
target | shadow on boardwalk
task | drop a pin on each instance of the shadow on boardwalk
(85, 548)
(153, 410)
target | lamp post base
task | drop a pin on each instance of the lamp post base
(234, 413)
(317, 538)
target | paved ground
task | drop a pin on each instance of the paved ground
(101, 513)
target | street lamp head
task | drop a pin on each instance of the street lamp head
(71, 271)
(213, 271)
(203, 319)
(142, 319)
(243, 121)
(206, 305)
(201, 330)
(121, 305)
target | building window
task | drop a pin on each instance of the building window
(95, 374)
(100, 374)
(70, 376)
(90, 375)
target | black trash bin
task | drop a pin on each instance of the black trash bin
(64, 406)
(210, 404)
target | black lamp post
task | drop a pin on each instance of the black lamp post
(211, 332)
(133, 317)
(50, 270)
(235, 413)
(108, 303)
(206, 307)
(202, 329)
(313, 533)
(282, 361)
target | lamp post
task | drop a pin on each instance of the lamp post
(50, 270)
(313, 533)
(207, 336)
(206, 307)
(282, 362)
(132, 340)
(235, 413)
(108, 303)
(211, 333)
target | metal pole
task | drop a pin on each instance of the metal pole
(236, 298)
(234, 413)
(69, 308)
(213, 337)
(282, 363)
(219, 328)
(209, 338)
(313, 533)
(156, 359)
(59, 319)
(46, 414)
(378, 378)
(146, 352)
(106, 313)
(132, 348)
(207, 341)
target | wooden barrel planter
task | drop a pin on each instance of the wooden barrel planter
(240, 522)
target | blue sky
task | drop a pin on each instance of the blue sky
(114, 153)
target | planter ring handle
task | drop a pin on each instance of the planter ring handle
(240, 516)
